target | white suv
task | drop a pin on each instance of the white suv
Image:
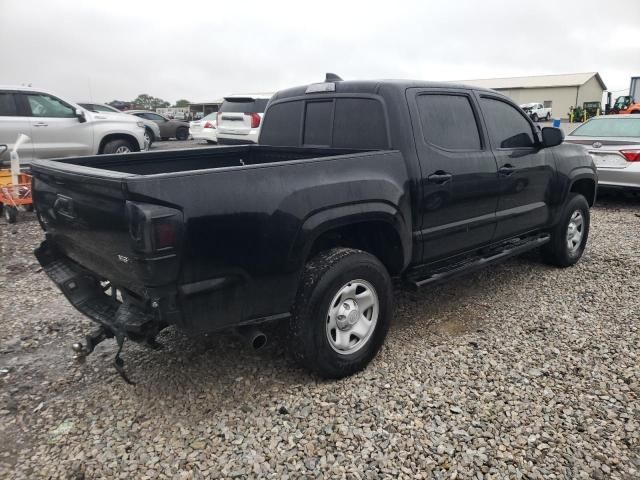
(240, 118)
(59, 128)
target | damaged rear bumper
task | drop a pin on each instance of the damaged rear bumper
(119, 311)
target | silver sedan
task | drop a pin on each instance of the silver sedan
(614, 143)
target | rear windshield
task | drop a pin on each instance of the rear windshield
(609, 127)
(358, 123)
(248, 105)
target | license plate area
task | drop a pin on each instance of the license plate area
(609, 160)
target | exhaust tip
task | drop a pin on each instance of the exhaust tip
(259, 341)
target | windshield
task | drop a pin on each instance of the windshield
(609, 127)
(621, 102)
(244, 105)
(99, 108)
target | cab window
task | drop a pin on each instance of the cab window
(508, 128)
(448, 121)
(43, 105)
(8, 105)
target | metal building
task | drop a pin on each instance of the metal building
(560, 92)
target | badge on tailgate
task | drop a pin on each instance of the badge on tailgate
(65, 207)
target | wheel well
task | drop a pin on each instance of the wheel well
(119, 136)
(587, 188)
(377, 238)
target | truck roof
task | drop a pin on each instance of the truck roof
(373, 87)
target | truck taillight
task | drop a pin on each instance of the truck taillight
(631, 155)
(153, 228)
(255, 119)
(165, 234)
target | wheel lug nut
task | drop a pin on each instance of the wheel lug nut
(345, 306)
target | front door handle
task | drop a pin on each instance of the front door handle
(506, 170)
(439, 177)
(40, 124)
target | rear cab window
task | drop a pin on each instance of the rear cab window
(342, 122)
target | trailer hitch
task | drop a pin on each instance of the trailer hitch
(81, 350)
(100, 335)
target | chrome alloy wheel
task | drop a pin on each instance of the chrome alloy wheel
(575, 231)
(352, 317)
(123, 149)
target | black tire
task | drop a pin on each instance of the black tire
(182, 133)
(149, 134)
(557, 251)
(114, 145)
(534, 117)
(10, 213)
(323, 278)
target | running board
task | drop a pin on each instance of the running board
(476, 263)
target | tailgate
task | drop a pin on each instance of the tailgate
(91, 220)
(234, 123)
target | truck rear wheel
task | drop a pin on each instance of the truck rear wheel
(569, 237)
(342, 312)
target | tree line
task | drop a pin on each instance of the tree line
(149, 102)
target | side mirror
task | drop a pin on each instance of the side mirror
(80, 115)
(552, 137)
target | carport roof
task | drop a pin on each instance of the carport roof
(539, 81)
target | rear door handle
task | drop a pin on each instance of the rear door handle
(40, 124)
(440, 177)
(506, 170)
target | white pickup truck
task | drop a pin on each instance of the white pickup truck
(537, 111)
(60, 128)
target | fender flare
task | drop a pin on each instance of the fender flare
(322, 221)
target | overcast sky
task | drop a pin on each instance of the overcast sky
(112, 49)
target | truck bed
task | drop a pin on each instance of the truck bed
(195, 220)
(174, 161)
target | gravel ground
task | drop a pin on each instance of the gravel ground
(518, 371)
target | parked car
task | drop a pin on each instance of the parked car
(169, 127)
(60, 128)
(205, 129)
(310, 226)
(152, 131)
(614, 143)
(537, 111)
(240, 117)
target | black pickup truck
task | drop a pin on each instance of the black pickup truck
(353, 184)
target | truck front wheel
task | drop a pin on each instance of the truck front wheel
(118, 146)
(342, 312)
(569, 237)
